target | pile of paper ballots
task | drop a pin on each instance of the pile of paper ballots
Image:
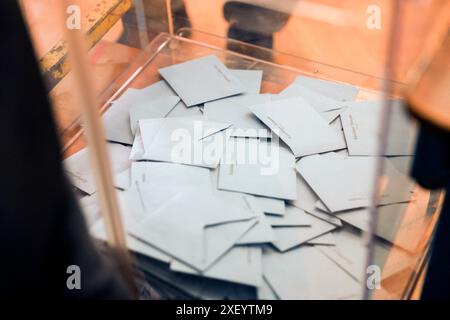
(229, 193)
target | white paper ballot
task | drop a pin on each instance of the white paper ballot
(169, 173)
(321, 206)
(150, 196)
(202, 80)
(116, 119)
(299, 126)
(326, 216)
(396, 223)
(130, 95)
(137, 149)
(265, 292)
(151, 109)
(122, 179)
(98, 230)
(325, 240)
(307, 199)
(362, 124)
(318, 101)
(197, 287)
(161, 89)
(350, 253)
(293, 217)
(337, 127)
(141, 247)
(116, 123)
(344, 183)
(184, 140)
(331, 115)
(89, 206)
(334, 90)
(200, 233)
(262, 231)
(157, 182)
(328, 108)
(79, 170)
(272, 206)
(235, 110)
(180, 110)
(290, 237)
(251, 79)
(241, 264)
(154, 91)
(157, 90)
(259, 167)
(306, 274)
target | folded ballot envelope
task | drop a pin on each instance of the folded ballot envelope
(350, 253)
(334, 90)
(251, 79)
(361, 122)
(155, 99)
(201, 80)
(260, 168)
(80, 172)
(241, 264)
(154, 109)
(204, 230)
(320, 102)
(343, 182)
(235, 110)
(292, 234)
(300, 126)
(262, 231)
(305, 273)
(184, 140)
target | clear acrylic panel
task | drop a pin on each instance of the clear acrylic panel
(378, 49)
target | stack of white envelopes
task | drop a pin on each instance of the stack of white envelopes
(226, 192)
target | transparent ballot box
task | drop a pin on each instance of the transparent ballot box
(299, 111)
